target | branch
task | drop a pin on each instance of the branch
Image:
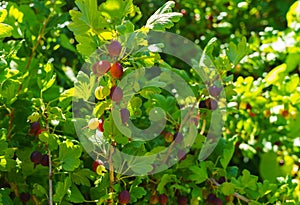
(111, 175)
(235, 194)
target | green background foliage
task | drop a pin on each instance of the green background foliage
(253, 44)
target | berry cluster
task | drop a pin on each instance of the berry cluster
(38, 158)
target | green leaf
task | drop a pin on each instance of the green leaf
(163, 18)
(292, 61)
(9, 89)
(116, 10)
(75, 196)
(254, 203)
(39, 190)
(227, 153)
(100, 107)
(199, 173)
(85, 86)
(293, 127)
(5, 30)
(55, 113)
(149, 92)
(61, 189)
(50, 140)
(166, 178)
(137, 193)
(89, 13)
(69, 155)
(3, 147)
(227, 188)
(82, 176)
(5, 197)
(141, 165)
(237, 52)
(126, 27)
(249, 180)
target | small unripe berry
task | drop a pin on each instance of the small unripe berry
(36, 157)
(182, 200)
(211, 104)
(96, 163)
(124, 197)
(163, 199)
(100, 126)
(93, 123)
(114, 48)
(24, 197)
(45, 160)
(34, 128)
(169, 137)
(125, 115)
(101, 92)
(116, 70)
(154, 199)
(215, 91)
(101, 67)
(116, 94)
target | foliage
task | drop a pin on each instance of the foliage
(43, 46)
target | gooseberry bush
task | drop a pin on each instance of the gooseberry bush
(108, 102)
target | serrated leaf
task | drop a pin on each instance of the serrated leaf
(126, 27)
(199, 173)
(85, 86)
(165, 179)
(49, 139)
(78, 26)
(61, 189)
(141, 165)
(137, 193)
(69, 155)
(237, 52)
(163, 18)
(86, 45)
(55, 113)
(82, 176)
(116, 10)
(227, 188)
(248, 180)
(75, 195)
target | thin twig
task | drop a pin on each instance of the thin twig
(37, 43)
(235, 194)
